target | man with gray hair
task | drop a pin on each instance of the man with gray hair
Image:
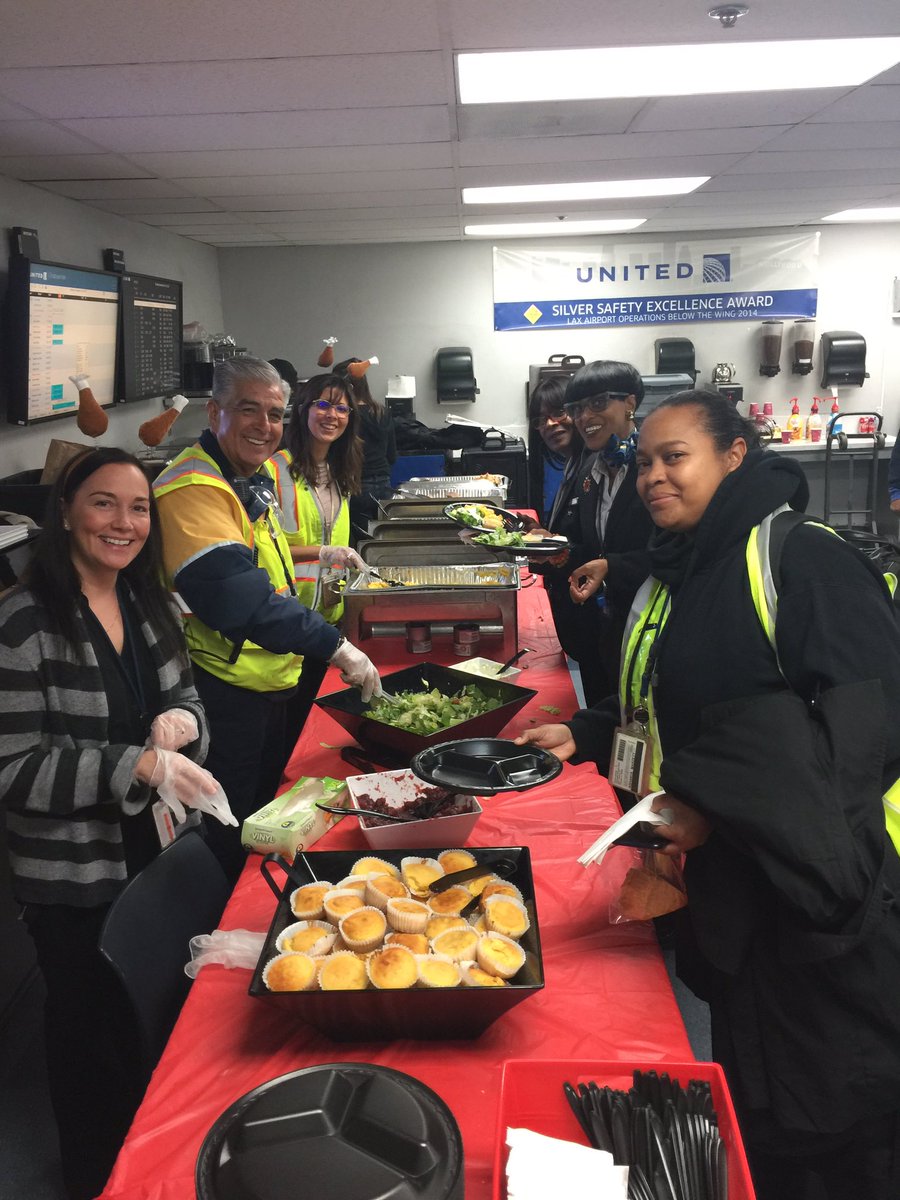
(229, 564)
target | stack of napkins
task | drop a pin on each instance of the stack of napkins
(540, 1166)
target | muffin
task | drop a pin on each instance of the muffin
(503, 914)
(339, 902)
(363, 930)
(381, 888)
(450, 902)
(437, 925)
(374, 866)
(417, 942)
(498, 887)
(474, 976)
(355, 883)
(499, 955)
(407, 915)
(419, 873)
(307, 937)
(435, 971)
(290, 973)
(343, 972)
(392, 968)
(457, 944)
(457, 860)
(306, 901)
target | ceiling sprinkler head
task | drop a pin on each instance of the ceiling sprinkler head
(727, 14)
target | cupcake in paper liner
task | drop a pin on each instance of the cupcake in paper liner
(451, 902)
(407, 915)
(315, 938)
(342, 971)
(499, 887)
(371, 865)
(477, 885)
(499, 955)
(417, 942)
(457, 860)
(381, 888)
(437, 925)
(356, 883)
(503, 914)
(419, 873)
(438, 971)
(458, 944)
(477, 923)
(290, 973)
(393, 968)
(339, 902)
(363, 930)
(306, 901)
(475, 976)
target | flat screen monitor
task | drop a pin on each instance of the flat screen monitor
(658, 388)
(60, 321)
(150, 362)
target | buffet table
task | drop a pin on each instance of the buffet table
(607, 994)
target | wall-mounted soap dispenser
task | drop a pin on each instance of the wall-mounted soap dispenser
(803, 335)
(675, 356)
(843, 358)
(770, 347)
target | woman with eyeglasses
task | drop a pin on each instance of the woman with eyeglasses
(315, 474)
(607, 526)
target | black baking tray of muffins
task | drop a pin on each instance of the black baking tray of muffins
(430, 1014)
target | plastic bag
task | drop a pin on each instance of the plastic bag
(652, 887)
(229, 947)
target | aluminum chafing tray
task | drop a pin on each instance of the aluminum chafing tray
(404, 529)
(448, 487)
(431, 577)
(412, 554)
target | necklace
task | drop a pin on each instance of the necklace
(325, 490)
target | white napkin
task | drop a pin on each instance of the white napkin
(540, 1166)
(640, 812)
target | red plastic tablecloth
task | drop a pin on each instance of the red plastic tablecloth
(607, 994)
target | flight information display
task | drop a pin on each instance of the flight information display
(150, 346)
(61, 321)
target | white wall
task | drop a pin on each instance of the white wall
(73, 233)
(404, 302)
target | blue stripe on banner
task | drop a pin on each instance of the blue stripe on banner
(657, 310)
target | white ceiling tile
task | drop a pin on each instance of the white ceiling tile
(149, 205)
(855, 135)
(315, 185)
(239, 131)
(603, 169)
(872, 103)
(108, 189)
(209, 163)
(767, 162)
(314, 216)
(282, 202)
(129, 31)
(34, 168)
(569, 119)
(823, 178)
(243, 86)
(186, 217)
(10, 111)
(740, 109)
(40, 137)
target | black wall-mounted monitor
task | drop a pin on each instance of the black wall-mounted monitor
(60, 321)
(150, 341)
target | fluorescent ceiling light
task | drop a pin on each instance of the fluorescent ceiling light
(866, 214)
(553, 228)
(613, 189)
(603, 74)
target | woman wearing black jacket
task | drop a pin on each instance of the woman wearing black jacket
(774, 747)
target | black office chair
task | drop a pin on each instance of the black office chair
(145, 936)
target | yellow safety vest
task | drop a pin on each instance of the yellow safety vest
(302, 525)
(647, 619)
(246, 664)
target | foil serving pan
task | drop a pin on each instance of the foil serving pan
(431, 576)
(454, 487)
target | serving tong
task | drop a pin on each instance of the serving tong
(667, 1135)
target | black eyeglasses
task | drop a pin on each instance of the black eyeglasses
(594, 404)
(342, 410)
(556, 415)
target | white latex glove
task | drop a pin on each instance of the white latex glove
(358, 670)
(182, 784)
(174, 728)
(340, 556)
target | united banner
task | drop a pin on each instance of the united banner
(657, 282)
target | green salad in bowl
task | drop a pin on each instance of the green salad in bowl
(429, 712)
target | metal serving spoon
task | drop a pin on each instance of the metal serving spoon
(362, 812)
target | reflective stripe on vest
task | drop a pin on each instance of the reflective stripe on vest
(640, 633)
(765, 601)
(254, 668)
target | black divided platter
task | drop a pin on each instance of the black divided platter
(485, 766)
(512, 522)
(339, 1131)
(379, 1016)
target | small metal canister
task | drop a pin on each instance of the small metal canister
(466, 636)
(418, 637)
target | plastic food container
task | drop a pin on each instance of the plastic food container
(452, 828)
(487, 667)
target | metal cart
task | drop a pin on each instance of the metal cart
(859, 527)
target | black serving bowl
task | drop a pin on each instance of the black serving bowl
(429, 1014)
(348, 709)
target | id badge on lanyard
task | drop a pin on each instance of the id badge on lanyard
(632, 754)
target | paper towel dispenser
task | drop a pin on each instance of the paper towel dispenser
(674, 356)
(455, 375)
(843, 358)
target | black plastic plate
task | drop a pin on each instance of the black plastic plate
(485, 766)
(512, 522)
